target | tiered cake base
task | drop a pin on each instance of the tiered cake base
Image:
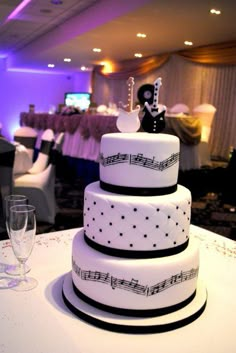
(133, 325)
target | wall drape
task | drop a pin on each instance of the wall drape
(195, 76)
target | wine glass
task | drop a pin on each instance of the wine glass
(13, 200)
(22, 228)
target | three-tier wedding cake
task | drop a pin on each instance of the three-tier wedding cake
(134, 265)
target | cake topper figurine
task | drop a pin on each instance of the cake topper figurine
(128, 119)
(154, 120)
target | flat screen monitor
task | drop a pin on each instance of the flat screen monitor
(79, 100)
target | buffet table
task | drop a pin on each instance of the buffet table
(83, 133)
(38, 321)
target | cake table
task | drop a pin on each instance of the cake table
(38, 321)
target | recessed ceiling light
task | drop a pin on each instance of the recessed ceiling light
(215, 12)
(138, 55)
(56, 2)
(187, 42)
(51, 65)
(141, 35)
(68, 60)
(97, 50)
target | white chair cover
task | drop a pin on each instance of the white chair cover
(27, 137)
(43, 158)
(206, 113)
(40, 190)
(179, 108)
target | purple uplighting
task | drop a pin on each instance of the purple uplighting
(18, 9)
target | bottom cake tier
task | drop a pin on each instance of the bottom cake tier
(134, 287)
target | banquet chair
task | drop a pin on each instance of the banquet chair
(179, 108)
(38, 184)
(206, 113)
(45, 150)
(27, 137)
(7, 156)
(40, 190)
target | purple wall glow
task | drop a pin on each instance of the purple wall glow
(19, 89)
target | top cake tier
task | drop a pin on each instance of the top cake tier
(139, 163)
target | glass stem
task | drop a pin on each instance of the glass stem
(22, 271)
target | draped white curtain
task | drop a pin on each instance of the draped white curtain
(185, 82)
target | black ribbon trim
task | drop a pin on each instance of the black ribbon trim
(133, 312)
(132, 329)
(7, 159)
(46, 147)
(136, 191)
(135, 254)
(28, 142)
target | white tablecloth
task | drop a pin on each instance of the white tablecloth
(38, 321)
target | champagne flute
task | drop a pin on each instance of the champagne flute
(22, 228)
(13, 200)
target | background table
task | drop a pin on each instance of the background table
(83, 133)
(38, 321)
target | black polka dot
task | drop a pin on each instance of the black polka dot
(93, 219)
(88, 209)
(122, 217)
(87, 225)
(134, 226)
(177, 207)
(167, 234)
(146, 217)
(174, 242)
(93, 237)
(94, 202)
(145, 235)
(109, 242)
(183, 230)
(121, 234)
(135, 209)
(184, 212)
(100, 230)
(157, 226)
(110, 223)
(112, 206)
(154, 245)
(177, 223)
(158, 209)
(102, 213)
(131, 245)
(168, 217)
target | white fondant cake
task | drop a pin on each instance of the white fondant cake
(139, 160)
(134, 256)
(136, 222)
(135, 284)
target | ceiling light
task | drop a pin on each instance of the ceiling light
(56, 2)
(141, 35)
(68, 60)
(138, 55)
(97, 50)
(18, 9)
(51, 65)
(215, 12)
(187, 42)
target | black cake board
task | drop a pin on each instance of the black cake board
(133, 325)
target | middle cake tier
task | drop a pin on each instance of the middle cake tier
(137, 226)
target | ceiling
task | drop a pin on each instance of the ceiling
(47, 31)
